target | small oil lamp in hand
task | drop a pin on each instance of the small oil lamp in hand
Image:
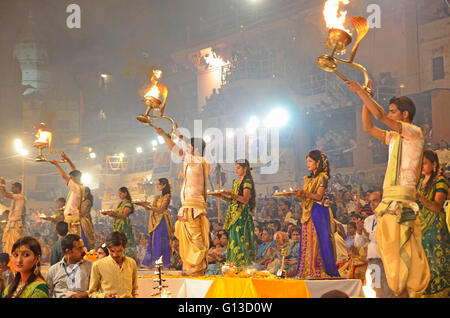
(43, 141)
(339, 39)
(155, 99)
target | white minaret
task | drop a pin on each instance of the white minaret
(33, 59)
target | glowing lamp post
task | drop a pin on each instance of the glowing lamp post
(339, 39)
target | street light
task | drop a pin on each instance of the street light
(92, 155)
(86, 179)
(252, 125)
(18, 145)
(278, 117)
(154, 143)
(139, 149)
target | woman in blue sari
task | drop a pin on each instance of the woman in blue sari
(160, 228)
(317, 252)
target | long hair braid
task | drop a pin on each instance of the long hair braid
(248, 176)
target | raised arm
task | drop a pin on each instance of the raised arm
(3, 190)
(374, 108)
(60, 170)
(168, 140)
(369, 127)
(64, 156)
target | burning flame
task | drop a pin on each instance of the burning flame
(157, 74)
(159, 261)
(369, 292)
(153, 92)
(43, 137)
(335, 18)
(214, 61)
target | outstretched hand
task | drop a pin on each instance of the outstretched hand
(159, 131)
(355, 87)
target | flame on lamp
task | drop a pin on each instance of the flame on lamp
(159, 261)
(153, 92)
(335, 18)
(43, 138)
(368, 290)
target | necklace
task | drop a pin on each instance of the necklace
(19, 289)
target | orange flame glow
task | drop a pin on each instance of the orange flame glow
(153, 92)
(214, 61)
(369, 292)
(334, 17)
(157, 74)
(43, 137)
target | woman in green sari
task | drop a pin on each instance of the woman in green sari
(432, 192)
(122, 222)
(239, 220)
(28, 282)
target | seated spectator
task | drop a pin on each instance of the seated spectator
(6, 274)
(265, 249)
(258, 230)
(350, 238)
(284, 210)
(366, 209)
(218, 255)
(275, 226)
(102, 251)
(292, 259)
(57, 253)
(25, 258)
(141, 248)
(114, 276)
(69, 278)
(176, 259)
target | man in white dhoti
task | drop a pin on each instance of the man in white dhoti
(192, 227)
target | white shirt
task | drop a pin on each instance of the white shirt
(370, 225)
(73, 202)
(412, 148)
(193, 183)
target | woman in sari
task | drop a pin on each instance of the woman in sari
(122, 222)
(265, 249)
(87, 227)
(241, 249)
(160, 228)
(317, 252)
(28, 282)
(432, 190)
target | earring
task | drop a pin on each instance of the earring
(36, 270)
